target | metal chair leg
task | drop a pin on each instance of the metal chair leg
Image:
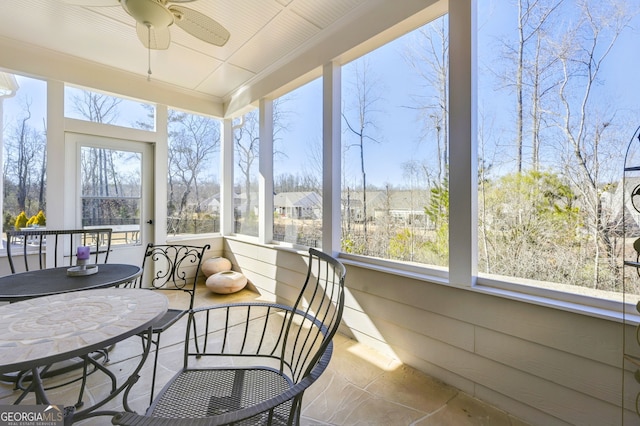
(155, 365)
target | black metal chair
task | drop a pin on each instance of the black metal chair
(37, 244)
(255, 360)
(170, 267)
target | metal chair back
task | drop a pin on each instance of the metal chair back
(254, 360)
(171, 267)
(36, 245)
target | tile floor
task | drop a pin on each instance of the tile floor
(360, 386)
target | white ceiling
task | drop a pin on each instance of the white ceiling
(98, 46)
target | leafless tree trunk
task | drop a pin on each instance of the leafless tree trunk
(247, 143)
(43, 171)
(25, 155)
(533, 18)
(193, 139)
(99, 108)
(366, 88)
(582, 56)
(429, 57)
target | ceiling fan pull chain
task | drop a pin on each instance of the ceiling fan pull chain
(149, 51)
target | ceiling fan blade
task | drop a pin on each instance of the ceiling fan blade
(153, 38)
(91, 3)
(199, 25)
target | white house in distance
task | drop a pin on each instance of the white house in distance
(401, 205)
(298, 205)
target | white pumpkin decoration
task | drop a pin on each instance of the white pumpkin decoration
(214, 265)
(226, 282)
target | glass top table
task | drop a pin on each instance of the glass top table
(46, 282)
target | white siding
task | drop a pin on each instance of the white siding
(543, 365)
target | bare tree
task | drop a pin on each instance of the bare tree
(429, 57)
(192, 141)
(26, 151)
(366, 89)
(531, 71)
(96, 107)
(583, 126)
(99, 168)
(247, 144)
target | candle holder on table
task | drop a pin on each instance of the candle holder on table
(82, 268)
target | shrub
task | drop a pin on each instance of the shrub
(41, 220)
(21, 221)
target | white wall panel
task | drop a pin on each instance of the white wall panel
(546, 366)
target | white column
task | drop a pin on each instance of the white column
(265, 170)
(226, 178)
(331, 165)
(463, 162)
(161, 167)
(61, 191)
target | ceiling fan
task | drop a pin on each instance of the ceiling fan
(154, 17)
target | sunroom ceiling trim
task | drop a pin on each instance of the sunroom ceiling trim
(30, 60)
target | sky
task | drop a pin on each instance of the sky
(399, 133)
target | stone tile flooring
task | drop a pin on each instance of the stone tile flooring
(360, 386)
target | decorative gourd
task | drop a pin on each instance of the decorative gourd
(226, 282)
(214, 265)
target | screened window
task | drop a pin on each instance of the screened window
(23, 103)
(395, 192)
(297, 166)
(83, 104)
(193, 184)
(111, 191)
(246, 140)
(557, 107)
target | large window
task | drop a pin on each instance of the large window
(193, 184)
(23, 103)
(395, 193)
(246, 142)
(557, 106)
(111, 191)
(83, 104)
(297, 166)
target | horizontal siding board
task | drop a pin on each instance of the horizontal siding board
(584, 375)
(550, 327)
(551, 398)
(524, 412)
(447, 376)
(443, 328)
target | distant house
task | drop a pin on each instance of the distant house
(298, 205)
(630, 210)
(240, 203)
(402, 205)
(211, 204)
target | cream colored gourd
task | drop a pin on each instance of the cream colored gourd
(214, 265)
(226, 282)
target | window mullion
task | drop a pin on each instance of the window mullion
(463, 193)
(265, 165)
(331, 161)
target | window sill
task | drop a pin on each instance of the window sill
(583, 301)
(551, 296)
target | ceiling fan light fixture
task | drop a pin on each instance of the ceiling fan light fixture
(148, 12)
